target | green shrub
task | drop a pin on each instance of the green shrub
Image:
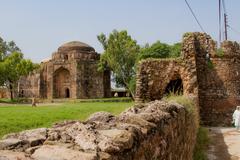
(210, 64)
(188, 104)
(202, 140)
(220, 52)
(201, 144)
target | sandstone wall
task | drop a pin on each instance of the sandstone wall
(29, 86)
(92, 83)
(212, 78)
(71, 73)
(218, 81)
(4, 93)
(153, 77)
(157, 130)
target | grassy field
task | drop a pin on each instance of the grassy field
(14, 118)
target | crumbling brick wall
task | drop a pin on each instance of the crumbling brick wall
(212, 78)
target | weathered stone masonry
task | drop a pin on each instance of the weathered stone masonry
(157, 130)
(71, 73)
(212, 79)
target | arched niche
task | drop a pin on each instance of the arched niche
(61, 82)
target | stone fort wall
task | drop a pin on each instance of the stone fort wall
(211, 77)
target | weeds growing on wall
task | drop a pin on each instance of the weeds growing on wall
(201, 144)
(188, 104)
(210, 64)
(202, 140)
(220, 52)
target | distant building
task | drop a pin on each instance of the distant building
(70, 73)
(4, 92)
(119, 92)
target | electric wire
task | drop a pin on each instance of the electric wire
(233, 29)
(194, 15)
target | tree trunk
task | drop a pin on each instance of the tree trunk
(11, 91)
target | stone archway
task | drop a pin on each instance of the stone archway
(61, 81)
(174, 87)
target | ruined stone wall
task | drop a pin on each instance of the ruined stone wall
(157, 130)
(43, 80)
(91, 82)
(107, 84)
(29, 86)
(207, 74)
(153, 76)
(4, 93)
(218, 81)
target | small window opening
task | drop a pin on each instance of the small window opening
(67, 93)
(66, 57)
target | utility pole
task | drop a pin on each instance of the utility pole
(219, 14)
(225, 26)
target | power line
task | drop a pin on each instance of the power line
(194, 16)
(224, 6)
(233, 29)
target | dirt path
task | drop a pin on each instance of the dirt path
(224, 144)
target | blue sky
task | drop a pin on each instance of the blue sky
(40, 27)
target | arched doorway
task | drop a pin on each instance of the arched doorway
(67, 93)
(174, 87)
(61, 81)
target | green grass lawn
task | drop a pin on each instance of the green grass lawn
(21, 117)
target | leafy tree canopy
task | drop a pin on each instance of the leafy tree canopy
(13, 65)
(120, 56)
(7, 48)
(160, 50)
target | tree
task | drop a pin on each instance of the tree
(175, 50)
(156, 50)
(13, 65)
(12, 68)
(120, 55)
(7, 48)
(3, 49)
(160, 50)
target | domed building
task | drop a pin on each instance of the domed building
(70, 73)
